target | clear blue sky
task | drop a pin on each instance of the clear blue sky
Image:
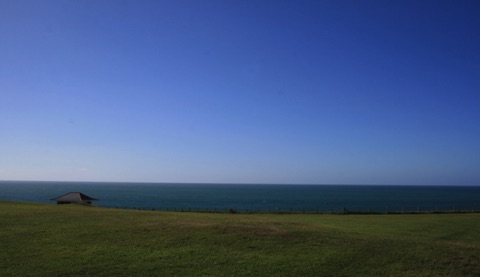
(312, 92)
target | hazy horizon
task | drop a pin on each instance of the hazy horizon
(230, 183)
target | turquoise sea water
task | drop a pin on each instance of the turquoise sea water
(324, 198)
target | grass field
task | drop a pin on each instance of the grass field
(74, 240)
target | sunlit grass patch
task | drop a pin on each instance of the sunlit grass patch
(45, 240)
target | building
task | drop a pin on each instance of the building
(74, 197)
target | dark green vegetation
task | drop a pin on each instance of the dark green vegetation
(69, 240)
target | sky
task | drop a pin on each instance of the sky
(241, 91)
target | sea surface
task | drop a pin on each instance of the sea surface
(253, 198)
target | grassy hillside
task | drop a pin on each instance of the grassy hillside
(69, 240)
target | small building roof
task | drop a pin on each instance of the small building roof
(74, 197)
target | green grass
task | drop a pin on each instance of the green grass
(74, 240)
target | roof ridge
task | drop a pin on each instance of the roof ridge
(75, 194)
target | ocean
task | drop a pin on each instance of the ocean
(251, 197)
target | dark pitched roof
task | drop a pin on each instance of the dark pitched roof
(74, 197)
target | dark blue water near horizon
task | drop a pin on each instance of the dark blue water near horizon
(251, 197)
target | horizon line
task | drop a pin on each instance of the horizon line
(233, 183)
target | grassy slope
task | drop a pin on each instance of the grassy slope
(46, 240)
